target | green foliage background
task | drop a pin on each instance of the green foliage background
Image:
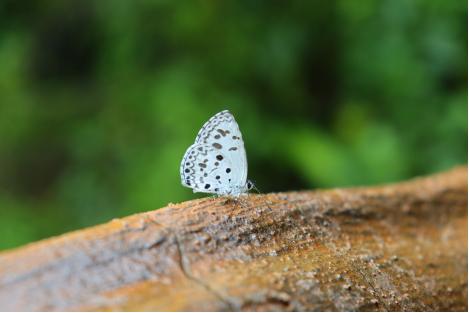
(100, 99)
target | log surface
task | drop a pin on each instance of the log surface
(395, 247)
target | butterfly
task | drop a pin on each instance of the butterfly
(216, 162)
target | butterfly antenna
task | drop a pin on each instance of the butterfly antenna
(255, 188)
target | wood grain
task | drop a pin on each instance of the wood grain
(396, 247)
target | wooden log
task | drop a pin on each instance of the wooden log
(398, 247)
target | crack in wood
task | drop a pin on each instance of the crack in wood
(185, 269)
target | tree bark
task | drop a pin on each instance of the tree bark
(400, 247)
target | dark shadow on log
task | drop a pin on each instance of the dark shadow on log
(396, 247)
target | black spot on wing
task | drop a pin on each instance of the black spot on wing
(223, 132)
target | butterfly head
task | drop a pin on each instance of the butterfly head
(250, 185)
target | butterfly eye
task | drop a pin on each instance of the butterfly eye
(249, 185)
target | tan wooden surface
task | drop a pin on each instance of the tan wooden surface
(393, 247)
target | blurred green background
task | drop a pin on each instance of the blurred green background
(100, 99)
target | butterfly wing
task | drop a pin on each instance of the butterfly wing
(201, 171)
(216, 162)
(221, 118)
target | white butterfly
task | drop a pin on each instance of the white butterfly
(216, 162)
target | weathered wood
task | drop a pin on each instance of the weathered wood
(396, 247)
